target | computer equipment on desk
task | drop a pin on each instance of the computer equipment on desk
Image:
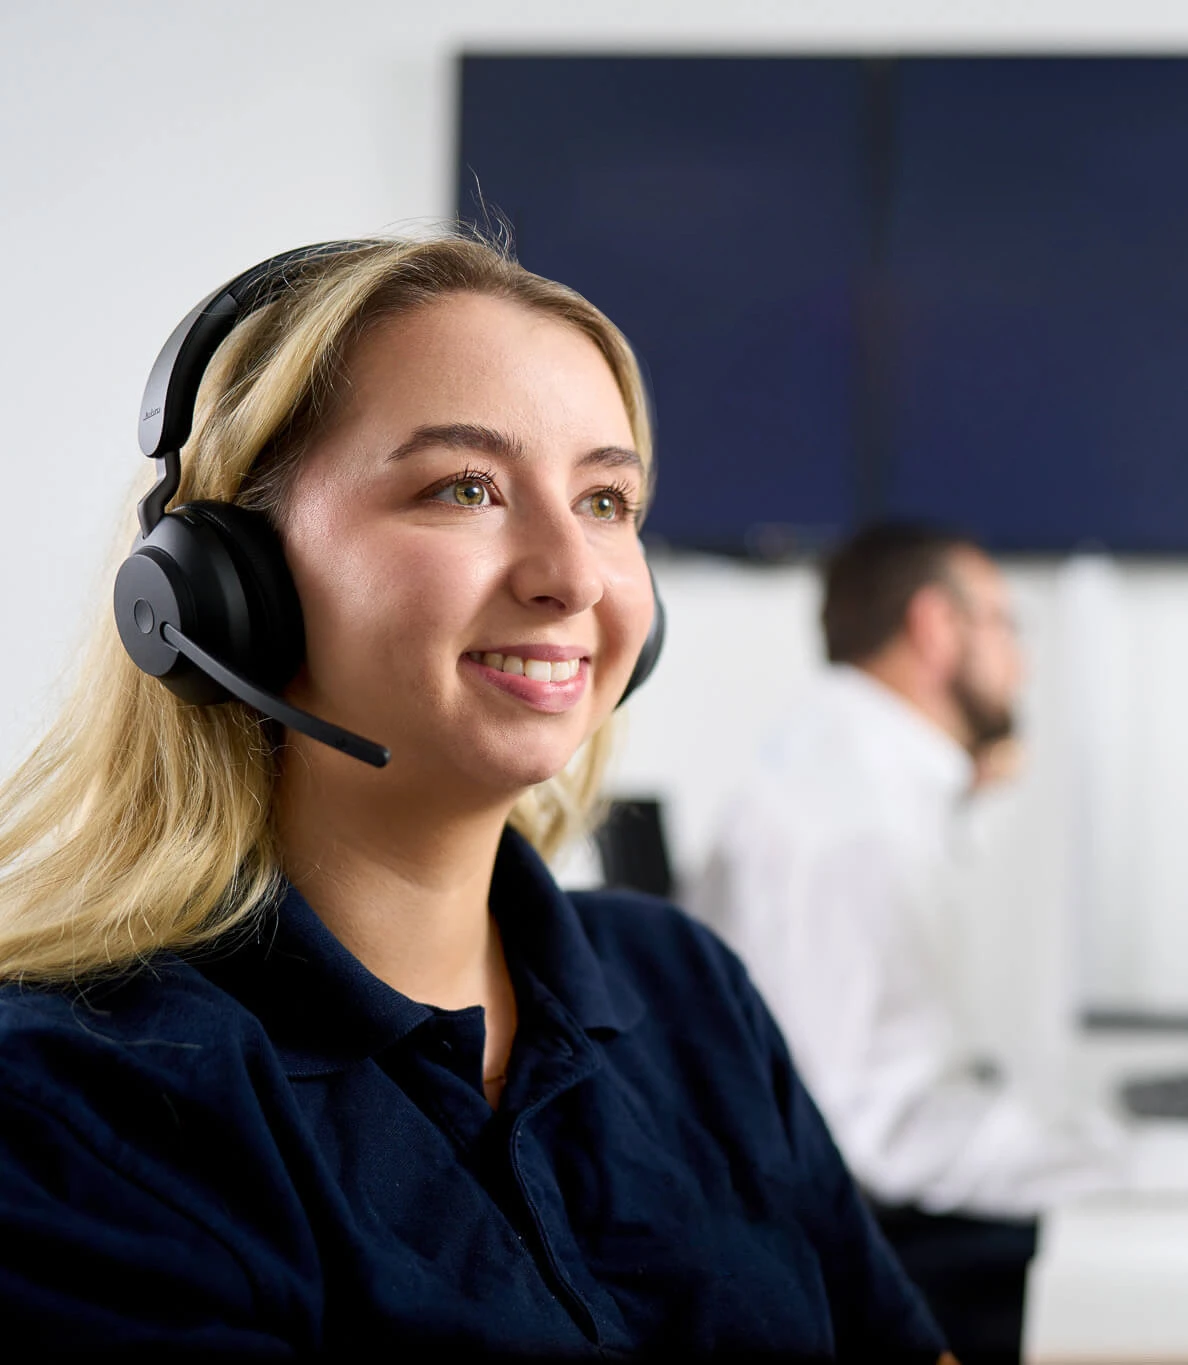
(633, 847)
(1156, 1097)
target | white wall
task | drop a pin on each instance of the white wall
(149, 151)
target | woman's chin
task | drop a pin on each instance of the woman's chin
(527, 776)
(530, 767)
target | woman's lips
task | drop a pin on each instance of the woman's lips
(550, 685)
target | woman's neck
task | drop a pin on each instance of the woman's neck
(404, 885)
(400, 880)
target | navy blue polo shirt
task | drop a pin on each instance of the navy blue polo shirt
(267, 1151)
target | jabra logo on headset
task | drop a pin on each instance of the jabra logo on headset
(152, 412)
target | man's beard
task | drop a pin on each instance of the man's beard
(987, 721)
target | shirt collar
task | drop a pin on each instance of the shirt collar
(323, 1009)
(544, 936)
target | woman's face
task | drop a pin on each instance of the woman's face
(464, 545)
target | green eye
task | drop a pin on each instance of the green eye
(604, 506)
(469, 493)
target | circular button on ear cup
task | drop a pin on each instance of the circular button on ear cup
(144, 616)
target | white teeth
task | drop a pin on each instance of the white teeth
(541, 670)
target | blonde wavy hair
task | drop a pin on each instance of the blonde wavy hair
(141, 823)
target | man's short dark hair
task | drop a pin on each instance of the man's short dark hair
(871, 578)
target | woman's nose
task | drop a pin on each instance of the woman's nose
(554, 563)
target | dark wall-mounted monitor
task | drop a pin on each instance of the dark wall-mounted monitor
(943, 287)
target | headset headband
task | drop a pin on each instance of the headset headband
(167, 408)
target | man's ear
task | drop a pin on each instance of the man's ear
(933, 629)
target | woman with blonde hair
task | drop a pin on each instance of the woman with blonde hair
(302, 1049)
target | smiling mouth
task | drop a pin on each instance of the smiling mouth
(538, 670)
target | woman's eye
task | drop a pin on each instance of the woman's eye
(610, 504)
(465, 493)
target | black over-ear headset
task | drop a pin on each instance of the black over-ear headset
(205, 600)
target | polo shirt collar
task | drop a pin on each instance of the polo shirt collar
(544, 937)
(323, 1009)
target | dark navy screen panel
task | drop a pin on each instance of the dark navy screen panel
(945, 287)
(1037, 256)
(714, 208)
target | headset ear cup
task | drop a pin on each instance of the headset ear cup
(649, 655)
(217, 574)
(275, 635)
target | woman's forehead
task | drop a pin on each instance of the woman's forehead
(466, 320)
(482, 352)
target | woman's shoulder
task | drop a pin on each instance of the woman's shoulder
(657, 937)
(162, 1025)
(631, 915)
(165, 991)
(138, 1147)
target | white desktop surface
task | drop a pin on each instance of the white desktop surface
(1109, 1281)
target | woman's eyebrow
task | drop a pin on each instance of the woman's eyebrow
(459, 436)
(613, 457)
(472, 436)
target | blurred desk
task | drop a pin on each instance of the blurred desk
(1109, 1282)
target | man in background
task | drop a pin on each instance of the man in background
(834, 877)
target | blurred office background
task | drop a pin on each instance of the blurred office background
(914, 258)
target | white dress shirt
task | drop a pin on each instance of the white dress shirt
(835, 879)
